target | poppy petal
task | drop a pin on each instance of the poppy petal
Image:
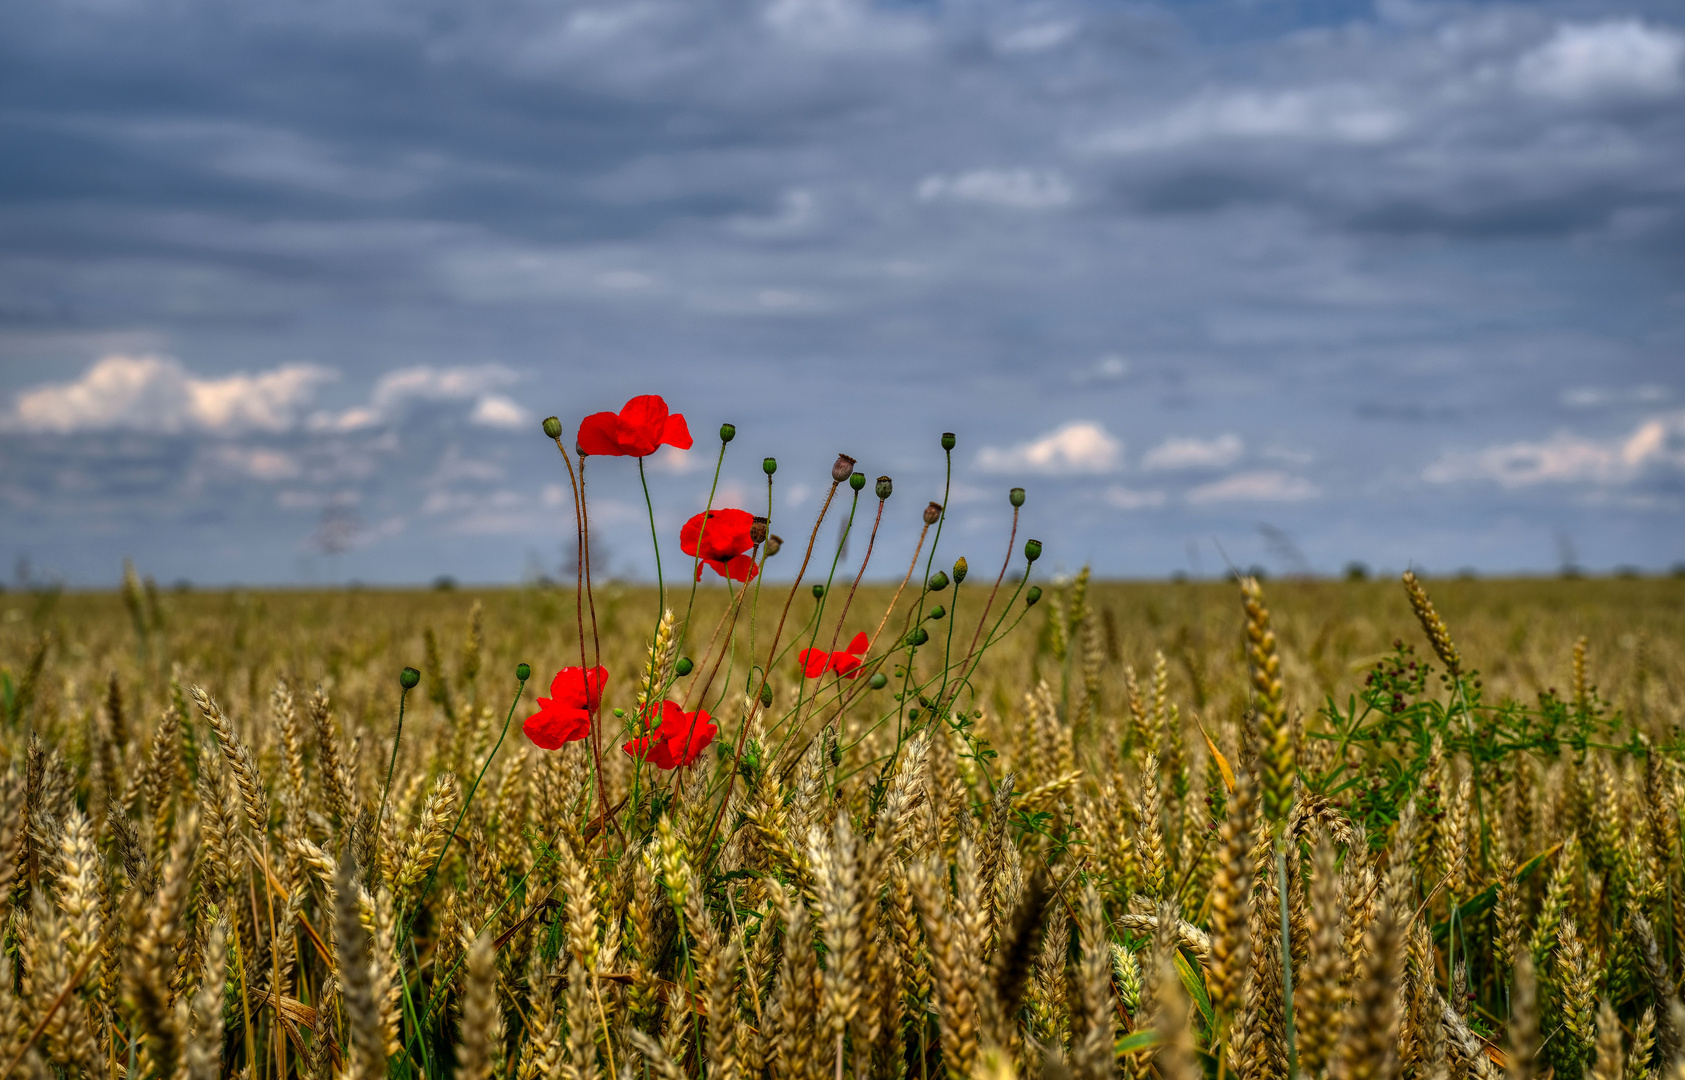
(676, 433)
(599, 434)
(845, 664)
(742, 568)
(813, 662)
(551, 729)
(643, 421)
(860, 644)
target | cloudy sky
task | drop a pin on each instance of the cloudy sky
(1312, 280)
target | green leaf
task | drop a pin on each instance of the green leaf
(1195, 986)
(1144, 1039)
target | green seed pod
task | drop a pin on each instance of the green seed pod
(885, 486)
(938, 582)
(948, 440)
(552, 427)
(766, 695)
(409, 678)
(818, 592)
(857, 480)
(918, 637)
(1032, 596)
(1032, 550)
(878, 681)
(960, 569)
(1017, 496)
(523, 672)
(912, 714)
(936, 612)
(728, 432)
(684, 667)
(769, 465)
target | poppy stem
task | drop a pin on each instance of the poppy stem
(655, 541)
(848, 601)
(930, 560)
(696, 562)
(593, 708)
(397, 737)
(755, 702)
(983, 619)
(824, 598)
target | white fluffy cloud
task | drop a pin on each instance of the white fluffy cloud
(1265, 485)
(1617, 57)
(1131, 499)
(1566, 458)
(1018, 189)
(157, 394)
(397, 390)
(1080, 446)
(1175, 453)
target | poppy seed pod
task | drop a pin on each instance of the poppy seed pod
(1032, 550)
(938, 582)
(885, 486)
(937, 612)
(857, 480)
(947, 440)
(932, 513)
(1032, 596)
(523, 672)
(684, 667)
(878, 681)
(960, 569)
(553, 427)
(818, 592)
(773, 543)
(757, 531)
(919, 636)
(728, 432)
(408, 678)
(769, 465)
(842, 469)
(1016, 495)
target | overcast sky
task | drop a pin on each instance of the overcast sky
(1316, 281)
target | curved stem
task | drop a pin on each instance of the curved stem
(696, 561)
(655, 541)
(594, 706)
(386, 788)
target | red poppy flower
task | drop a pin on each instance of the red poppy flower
(636, 431)
(679, 740)
(565, 716)
(816, 662)
(725, 543)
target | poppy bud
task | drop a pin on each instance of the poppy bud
(947, 440)
(885, 486)
(766, 695)
(552, 427)
(878, 681)
(841, 470)
(932, 513)
(960, 569)
(857, 480)
(757, 531)
(523, 672)
(408, 678)
(1032, 550)
(684, 667)
(1017, 496)
(1032, 596)
(918, 637)
(728, 432)
(938, 582)
(769, 465)
(912, 714)
(937, 612)
(773, 543)
(818, 592)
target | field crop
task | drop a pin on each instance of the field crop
(1241, 829)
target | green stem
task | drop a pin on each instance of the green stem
(660, 585)
(1286, 959)
(397, 737)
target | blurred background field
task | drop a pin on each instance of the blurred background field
(1519, 633)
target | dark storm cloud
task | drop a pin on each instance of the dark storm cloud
(1401, 278)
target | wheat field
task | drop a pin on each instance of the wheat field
(1239, 829)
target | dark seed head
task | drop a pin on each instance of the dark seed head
(728, 432)
(947, 440)
(818, 591)
(523, 672)
(932, 513)
(552, 427)
(409, 678)
(773, 543)
(885, 486)
(1017, 496)
(757, 531)
(769, 465)
(843, 468)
